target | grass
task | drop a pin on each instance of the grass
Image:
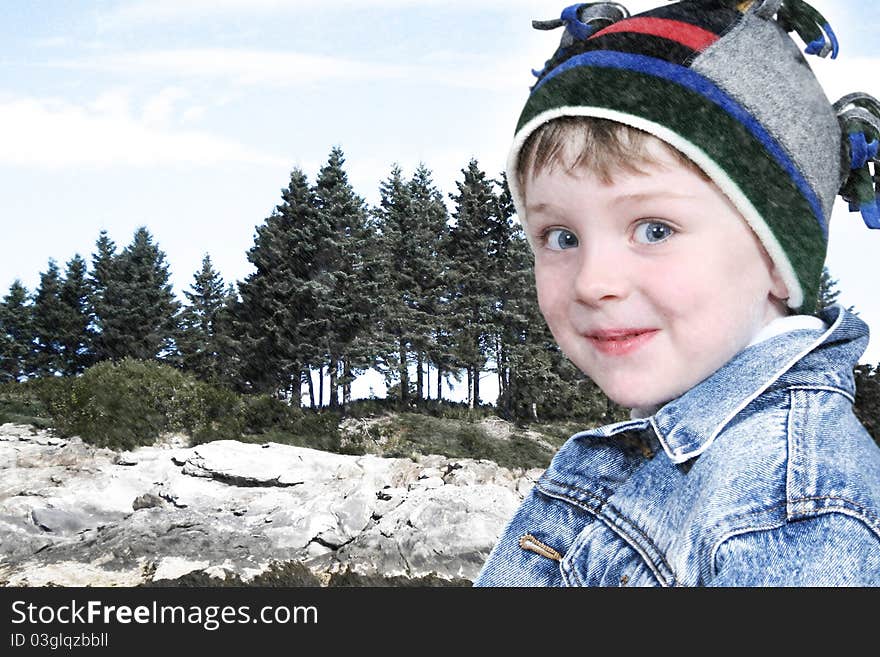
(446, 428)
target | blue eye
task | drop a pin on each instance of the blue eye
(652, 232)
(559, 239)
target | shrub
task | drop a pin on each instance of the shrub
(29, 402)
(261, 413)
(207, 412)
(128, 403)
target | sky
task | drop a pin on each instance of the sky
(187, 116)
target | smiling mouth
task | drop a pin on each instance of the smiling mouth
(619, 343)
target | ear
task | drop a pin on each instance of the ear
(778, 288)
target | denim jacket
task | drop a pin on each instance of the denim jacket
(759, 475)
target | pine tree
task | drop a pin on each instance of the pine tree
(137, 308)
(75, 336)
(16, 333)
(511, 278)
(104, 308)
(397, 240)
(867, 401)
(198, 339)
(429, 273)
(49, 319)
(828, 292)
(354, 277)
(472, 283)
(278, 323)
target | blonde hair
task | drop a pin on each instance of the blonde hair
(599, 145)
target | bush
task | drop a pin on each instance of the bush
(207, 412)
(29, 402)
(261, 413)
(314, 429)
(129, 403)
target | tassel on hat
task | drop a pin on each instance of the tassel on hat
(859, 116)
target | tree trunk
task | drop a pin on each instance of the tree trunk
(476, 386)
(403, 371)
(470, 386)
(296, 391)
(428, 380)
(321, 387)
(346, 385)
(334, 387)
(420, 379)
(439, 383)
(308, 374)
(501, 369)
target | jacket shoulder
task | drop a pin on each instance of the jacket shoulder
(834, 463)
(800, 453)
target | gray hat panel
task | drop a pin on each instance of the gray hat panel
(761, 67)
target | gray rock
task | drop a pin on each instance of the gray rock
(59, 521)
(93, 518)
(147, 501)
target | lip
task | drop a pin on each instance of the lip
(619, 342)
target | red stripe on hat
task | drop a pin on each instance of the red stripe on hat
(695, 38)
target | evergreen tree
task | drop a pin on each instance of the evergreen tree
(16, 333)
(198, 341)
(354, 276)
(74, 336)
(828, 292)
(511, 278)
(136, 313)
(49, 319)
(867, 403)
(228, 346)
(430, 274)
(278, 323)
(472, 284)
(103, 308)
(396, 227)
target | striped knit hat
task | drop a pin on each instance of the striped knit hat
(724, 83)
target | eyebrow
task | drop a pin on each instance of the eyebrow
(645, 196)
(635, 196)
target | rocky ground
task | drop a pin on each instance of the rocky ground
(74, 515)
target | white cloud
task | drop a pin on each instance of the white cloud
(159, 109)
(164, 11)
(111, 104)
(57, 134)
(247, 67)
(291, 69)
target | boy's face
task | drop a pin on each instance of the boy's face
(651, 283)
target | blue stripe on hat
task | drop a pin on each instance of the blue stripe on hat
(695, 82)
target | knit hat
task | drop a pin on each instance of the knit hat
(724, 83)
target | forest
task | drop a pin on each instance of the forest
(422, 288)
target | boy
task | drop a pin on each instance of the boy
(675, 172)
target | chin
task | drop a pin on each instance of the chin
(628, 399)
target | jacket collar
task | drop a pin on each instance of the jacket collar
(687, 425)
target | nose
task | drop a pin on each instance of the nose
(601, 276)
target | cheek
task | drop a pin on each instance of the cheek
(550, 292)
(680, 286)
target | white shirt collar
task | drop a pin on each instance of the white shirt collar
(788, 323)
